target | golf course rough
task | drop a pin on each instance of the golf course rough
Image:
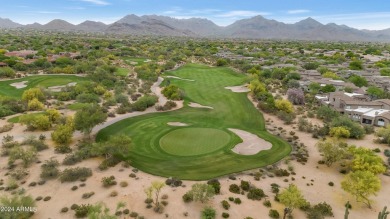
(158, 148)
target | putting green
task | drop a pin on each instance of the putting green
(194, 141)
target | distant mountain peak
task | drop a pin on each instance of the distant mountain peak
(309, 22)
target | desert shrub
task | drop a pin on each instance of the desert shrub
(237, 201)
(13, 202)
(82, 210)
(215, 184)
(369, 129)
(50, 169)
(208, 213)
(225, 215)
(123, 184)
(255, 194)
(331, 184)
(88, 195)
(234, 188)
(273, 214)
(133, 214)
(113, 194)
(288, 118)
(71, 159)
(245, 185)
(267, 203)
(144, 102)
(47, 198)
(62, 149)
(164, 202)
(6, 128)
(173, 182)
(275, 188)
(27, 155)
(187, 198)
(74, 188)
(376, 150)
(19, 173)
(319, 211)
(225, 204)
(281, 172)
(387, 152)
(64, 209)
(73, 174)
(38, 198)
(108, 181)
(37, 144)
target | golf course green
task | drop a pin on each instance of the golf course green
(201, 150)
(6, 89)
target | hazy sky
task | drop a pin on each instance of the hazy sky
(362, 14)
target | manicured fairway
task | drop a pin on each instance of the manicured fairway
(37, 81)
(150, 133)
(194, 141)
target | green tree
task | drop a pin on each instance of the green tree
(314, 88)
(155, 189)
(383, 135)
(292, 198)
(33, 93)
(355, 129)
(201, 192)
(356, 65)
(361, 185)
(101, 211)
(358, 80)
(365, 159)
(33, 122)
(117, 146)
(88, 117)
(54, 115)
(172, 92)
(256, 87)
(375, 92)
(208, 213)
(339, 132)
(62, 134)
(284, 105)
(328, 88)
(35, 104)
(332, 150)
(331, 75)
(16, 201)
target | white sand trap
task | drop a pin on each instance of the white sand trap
(19, 85)
(177, 124)
(197, 105)
(58, 88)
(251, 143)
(238, 89)
(184, 79)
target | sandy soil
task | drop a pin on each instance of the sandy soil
(239, 89)
(177, 124)
(251, 143)
(58, 88)
(19, 85)
(184, 79)
(197, 105)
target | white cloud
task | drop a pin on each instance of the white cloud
(97, 2)
(299, 11)
(241, 14)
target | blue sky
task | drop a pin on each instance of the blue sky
(362, 14)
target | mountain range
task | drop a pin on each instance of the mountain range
(256, 27)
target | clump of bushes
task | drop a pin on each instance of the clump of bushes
(88, 195)
(255, 194)
(74, 174)
(234, 188)
(173, 182)
(273, 214)
(50, 169)
(108, 181)
(225, 204)
(167, 106)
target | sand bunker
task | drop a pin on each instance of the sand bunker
(184, 79)
(58, 88)
(19, 85)
(251, 143)
(238, 89)
(177, 124)
(197, 105)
